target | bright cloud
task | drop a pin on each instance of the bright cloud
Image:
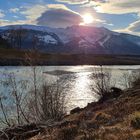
(8, 22)
(51, 15)
(135, 27)
(32, 13)
(59, 16)
(109, 6)
(56, 15)
(62, 13)
(80, 1)
(74, 1)
(117, 6)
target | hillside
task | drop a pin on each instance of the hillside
(72, 40)
(116, 119)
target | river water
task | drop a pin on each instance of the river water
(79, 77)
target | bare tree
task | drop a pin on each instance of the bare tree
(127, 80)
(51, 101)
(131, 79)
(32, 58)
(18, 97)
(4, 120)
(101, 81)
(15, 100)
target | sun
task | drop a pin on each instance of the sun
(87, 18)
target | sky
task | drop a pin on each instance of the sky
(116, 15)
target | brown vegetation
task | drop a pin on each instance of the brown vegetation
(117, 119)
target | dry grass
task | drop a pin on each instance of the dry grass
(111, 120)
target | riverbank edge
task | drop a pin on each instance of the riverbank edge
(115, 119)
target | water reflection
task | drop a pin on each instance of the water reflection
(79, 78)
(82, 92)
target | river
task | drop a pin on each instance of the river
(79, 77)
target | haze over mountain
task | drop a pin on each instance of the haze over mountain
(74, 39)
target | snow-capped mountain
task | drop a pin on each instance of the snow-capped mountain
(74, 39)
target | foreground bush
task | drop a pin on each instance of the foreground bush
(44, 103)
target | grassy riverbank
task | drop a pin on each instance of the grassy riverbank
(116, 119)
(116, 116)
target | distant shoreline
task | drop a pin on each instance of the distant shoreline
(17, 62)
(14, 57)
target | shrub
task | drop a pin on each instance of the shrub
(103, 85)
(131, 79)
(44, 103)
(136, 123)
(101, 81)
(50, 104)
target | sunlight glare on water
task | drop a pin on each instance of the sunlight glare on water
(81, 92)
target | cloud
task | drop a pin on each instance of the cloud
(109, 6)
(59, 16)
(80, 1)
(14, 10)
(135, 27)
(57, 6)
(8, 22)
(74, 1)
(32, 13)
(117, 6)
(39, 14)
(2, 14)
(54, 15)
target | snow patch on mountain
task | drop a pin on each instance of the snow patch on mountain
(83, 43)
(70, 39)
(105, 40)
(49, 39)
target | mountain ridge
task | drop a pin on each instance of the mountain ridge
(75, 39)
